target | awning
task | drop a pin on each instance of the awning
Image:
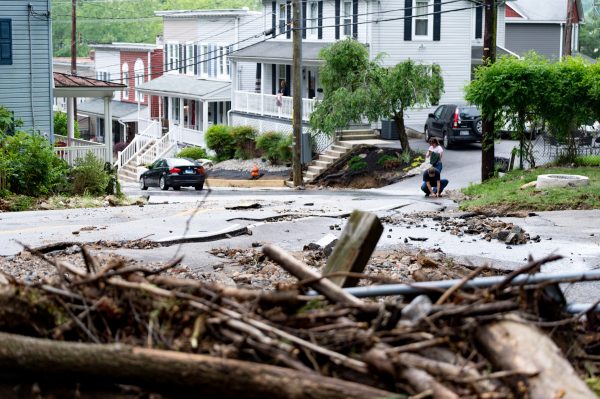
(125, 112)
(77, 86)
(280, 52)
(187, 87)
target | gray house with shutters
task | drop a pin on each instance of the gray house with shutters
(26, 63)
(446, 33)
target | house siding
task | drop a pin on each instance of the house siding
(543, 38)
(30, 98)
(452, 52)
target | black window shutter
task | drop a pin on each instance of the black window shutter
(337, 19)
(6, 42)
(258, 82)
(355, 19)
(437, 19)
(181, 61)
(304, 19)
(288, 80)
(407, 20)
(215, 60)
(274, 18)
(320, 22)
(288, 16)
(273, 79)
(195, 59)
(479, 22)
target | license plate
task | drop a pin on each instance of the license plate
(189, 172)
(464, 133)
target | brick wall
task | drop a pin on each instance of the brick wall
(130, 57)
(156, 68)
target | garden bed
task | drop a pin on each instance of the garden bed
(235, 169)
(369, 166)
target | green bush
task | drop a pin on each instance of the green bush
(192, 153)
(285, 150)
(588, 160)
(88, 176)
(29, 165)
(220, 139)
(245, 141)
(21, 203)
(60, 125)
(357, 164)
(269, 144)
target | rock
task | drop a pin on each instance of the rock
(309, 204)
(528, 185)
(502, 235)
(256, 244)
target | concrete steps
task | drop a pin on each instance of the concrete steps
(358, 134)
(317, 166)
(128, 172)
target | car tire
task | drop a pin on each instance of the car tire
(199, 187)
(446, 139)
(176, 188)
(162, 183)
(427, 136)
(143, 185)
(479, 126)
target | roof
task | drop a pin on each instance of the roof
(550, 11)
(126, 112)
(188, 86)
(280, 52)
(233, 12)
(145, 47)
(64, 80)
(477, 53)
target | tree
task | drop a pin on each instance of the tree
(589, 35)
(60, 125)
(355, 88)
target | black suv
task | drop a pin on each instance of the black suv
(454, 124)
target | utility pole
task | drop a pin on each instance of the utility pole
(297, 90)
(489, 57)
(568, 30)
(74, 50)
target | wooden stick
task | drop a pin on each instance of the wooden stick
(423, 381)
(302, 272)
(170, 371)
(460, 284)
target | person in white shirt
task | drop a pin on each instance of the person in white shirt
(435, 154)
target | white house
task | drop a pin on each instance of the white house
(427, 31)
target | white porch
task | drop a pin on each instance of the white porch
(268, 105)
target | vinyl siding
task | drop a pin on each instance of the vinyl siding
(501, 27)
(180, 29)
(18, 90)
(452, 52)
(544, 39)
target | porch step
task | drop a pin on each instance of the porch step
(356, 132)
(359, 137)
(341, 148)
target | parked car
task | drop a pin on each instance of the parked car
(173, 172)
(454, 124)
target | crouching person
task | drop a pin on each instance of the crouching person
(433, 184)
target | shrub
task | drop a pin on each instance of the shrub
(220, 140)
(268, 144)
(120, 146)
(21, 203)
(30, 166)
(245, 141)
(285, 151)
(60, 125)
(89, 176)
(588, 160)
(357, 164)
(389, 162)
(192, 153)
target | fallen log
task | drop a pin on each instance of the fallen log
(170, 371)
(515, 345)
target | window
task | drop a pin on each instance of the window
(101, 75)
(172, 57)
(5, 42)
(139, 78)
(421, 19)
(221, 60)
(438, 112)
(227, 62)
(282, 17)
(282, 82)
(189, 59)
(347, 22)
(175, 109)
(313, 17)
(205, 58)
(125, 80)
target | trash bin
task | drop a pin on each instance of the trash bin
(306, 149)
(388, 130)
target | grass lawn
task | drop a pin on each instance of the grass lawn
(504, 193)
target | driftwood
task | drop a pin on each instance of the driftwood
(515, 345)
(169, 371)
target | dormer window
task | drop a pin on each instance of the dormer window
(313, 17)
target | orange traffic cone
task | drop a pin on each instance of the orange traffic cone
(254, 173)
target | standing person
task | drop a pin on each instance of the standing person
(433, 184)
(435, 154)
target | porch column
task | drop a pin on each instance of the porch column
(204, 116)
(70, 120)
(170, 113)
(108, 139)
(181, 112)
(160, 106)
(262, 87)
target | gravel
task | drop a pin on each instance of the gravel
(247, 164)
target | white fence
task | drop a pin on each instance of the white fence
(75, 142)
(71, 154)
(267, 104)
(162, 147)
(132, 149)
(189, 136)
(149, 128)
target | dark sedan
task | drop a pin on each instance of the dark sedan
(173, 172)
(454, 124)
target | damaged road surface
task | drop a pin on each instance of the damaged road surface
(295, 219)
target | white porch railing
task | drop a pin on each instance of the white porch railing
(149, 128)
(75, 142)
(188, 136)
(71, 154)
(266, 104)
(160, 148)
(133, 149)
